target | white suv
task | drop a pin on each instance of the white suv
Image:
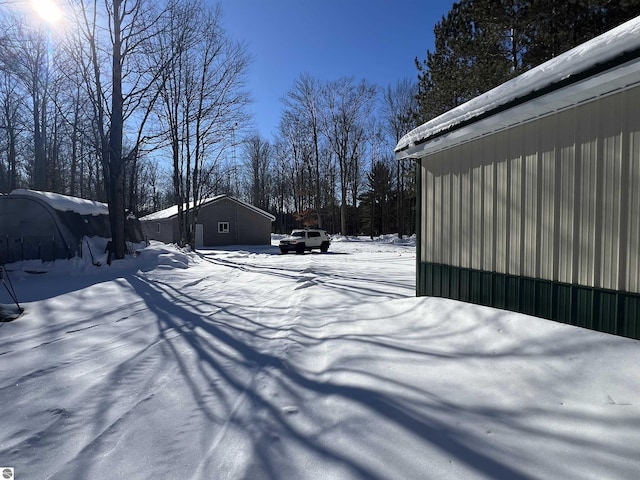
(307, 239)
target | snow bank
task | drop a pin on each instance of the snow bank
(409, 241)
(93, 260)
(388, 238)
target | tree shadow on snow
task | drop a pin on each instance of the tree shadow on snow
(227, 343)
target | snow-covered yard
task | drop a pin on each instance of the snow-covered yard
(242, 363)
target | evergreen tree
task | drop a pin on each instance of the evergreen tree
(470, 56)
(558, 26)
(376, 203)
(483, 43)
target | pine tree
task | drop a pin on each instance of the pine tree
(469, 58)
(483, 43)
(376, 203)
(558, 26)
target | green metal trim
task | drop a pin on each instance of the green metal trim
(608, 311)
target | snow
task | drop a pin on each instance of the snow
(239, 362)
(65, 203)
(601, 49)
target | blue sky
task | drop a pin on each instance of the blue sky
(372, 39)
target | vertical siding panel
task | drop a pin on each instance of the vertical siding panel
(632, 100)
(465, 218)
(547, 201)
(502, 203)
(427, 213)
(515, 202)
(437, 218)
(611, 180)
(445, 246)
(633, 218)
(488, 248)
(456, 241)
(476, 206)
(566, 203)
(530, 204)
(586, 241)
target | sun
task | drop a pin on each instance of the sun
(47, 9)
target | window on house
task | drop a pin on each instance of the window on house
(158, 227)
(223, 227)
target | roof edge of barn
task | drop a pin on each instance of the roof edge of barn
(612, 69)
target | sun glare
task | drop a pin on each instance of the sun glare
(47, 9)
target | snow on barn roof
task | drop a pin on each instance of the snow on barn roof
(65, 203)
(597, 67)
(173, 211)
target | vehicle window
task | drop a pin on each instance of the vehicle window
(298, 234)
(314, 234)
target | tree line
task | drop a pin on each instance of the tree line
(143, 104)
(330, 164)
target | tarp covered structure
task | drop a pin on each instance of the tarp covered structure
(49, 226)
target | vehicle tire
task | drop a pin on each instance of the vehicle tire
(282, 250)
(300, 248)
(324, 247)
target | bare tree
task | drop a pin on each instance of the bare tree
(348, 108)
(202, 102)
(115, 39)
(281, 182)
(304, 101)
(296, 149)
(399, 109)
(23, 54)
(257, 162)
(10, 104)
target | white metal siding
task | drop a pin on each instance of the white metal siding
(502, 208)
(556, 198)
(587, 218)
(530, 208)
(488, 218)
(515, 203)
(456, 204)
(632, 239)
(465, 217)
(566, 206)
(476, 216)
(546, 222)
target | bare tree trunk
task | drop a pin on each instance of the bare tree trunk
(115, 194)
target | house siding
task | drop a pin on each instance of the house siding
(543, 217)
(246, 225)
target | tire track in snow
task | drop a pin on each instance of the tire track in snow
(251, 417)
